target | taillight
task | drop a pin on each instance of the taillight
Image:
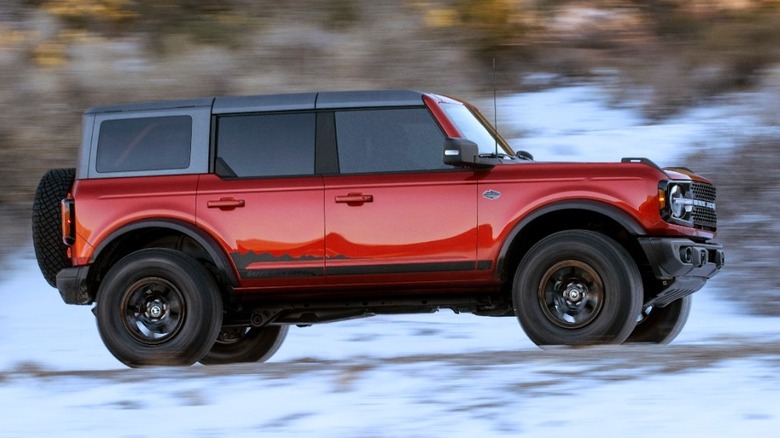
(67, 207)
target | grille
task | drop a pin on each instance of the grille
(703, 214)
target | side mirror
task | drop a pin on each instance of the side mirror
(465, 153)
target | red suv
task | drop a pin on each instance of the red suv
(202, 229)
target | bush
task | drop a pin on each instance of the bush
(748, 182)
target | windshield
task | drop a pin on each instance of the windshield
(474, 127)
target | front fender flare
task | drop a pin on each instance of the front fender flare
(622, 218)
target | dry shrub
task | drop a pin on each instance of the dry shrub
(748, 181)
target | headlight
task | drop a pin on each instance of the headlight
(680, 202)
(676, 202)
(688, 203)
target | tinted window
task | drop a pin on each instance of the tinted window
(392, 140)
(151, 143)
(265, 145)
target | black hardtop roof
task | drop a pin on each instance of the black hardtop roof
(278, 102)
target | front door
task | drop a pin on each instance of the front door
(396, 213)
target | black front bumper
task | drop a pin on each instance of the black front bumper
(72, 284)
(683, 266)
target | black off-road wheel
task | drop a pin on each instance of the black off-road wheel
(660, 325)
(246, 344)
(158, 307)
(50, 250)
(577, 287)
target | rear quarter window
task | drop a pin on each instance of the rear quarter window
(144, 144)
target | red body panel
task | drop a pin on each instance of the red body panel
(423, 224)
(415, 228)
(276, 237)
(103, 206)
(526, 188)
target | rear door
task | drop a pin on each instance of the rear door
(396, 213)
(264, 200)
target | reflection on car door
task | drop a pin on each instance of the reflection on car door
(396, 209)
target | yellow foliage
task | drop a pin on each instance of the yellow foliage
(487, 13)
(770, 4)
(50, 54)
(441, 17)
(112, 10)
(497, 21)
(11, 37)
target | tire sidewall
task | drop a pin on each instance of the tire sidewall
(662, 324)
(257, 345)
(619, 276)
(202, 315)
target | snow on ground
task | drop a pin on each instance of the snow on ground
(423, 375)
(414, 375)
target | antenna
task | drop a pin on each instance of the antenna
(495, 108)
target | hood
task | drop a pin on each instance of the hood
(683, 173)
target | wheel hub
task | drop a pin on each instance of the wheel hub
(153, 310)
(571, 294)
(156, 309)
(574, 293)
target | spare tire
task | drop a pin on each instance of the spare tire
(50, 250)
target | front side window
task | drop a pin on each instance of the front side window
(388, 140)
(143, 144)
(261, 145)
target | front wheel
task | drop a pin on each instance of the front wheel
(246, 344)
(158, 307)
(660, 325)
(577, 287)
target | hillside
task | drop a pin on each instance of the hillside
(58, 57)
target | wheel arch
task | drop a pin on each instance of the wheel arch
(567, 215)
(171, 234)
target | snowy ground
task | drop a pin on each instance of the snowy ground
(420, 375)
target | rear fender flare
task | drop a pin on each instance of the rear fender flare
(212, 248)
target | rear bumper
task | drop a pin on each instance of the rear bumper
(72, 284)
(684, 266)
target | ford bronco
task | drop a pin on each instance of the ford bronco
(202, 229)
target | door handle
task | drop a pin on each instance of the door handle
(354, 199)
(225, 203)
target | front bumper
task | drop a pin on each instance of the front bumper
(72, 284)
(684, 266)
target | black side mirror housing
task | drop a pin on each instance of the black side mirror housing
(465, 153)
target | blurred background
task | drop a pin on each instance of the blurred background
(59, 57)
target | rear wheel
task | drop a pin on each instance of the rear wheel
(246, 344)
(577, 287)
(660, 325)
(50, 251)
(158, 307)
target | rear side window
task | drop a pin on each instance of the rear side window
(141, 144)
(265, 145)
(389, 140)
